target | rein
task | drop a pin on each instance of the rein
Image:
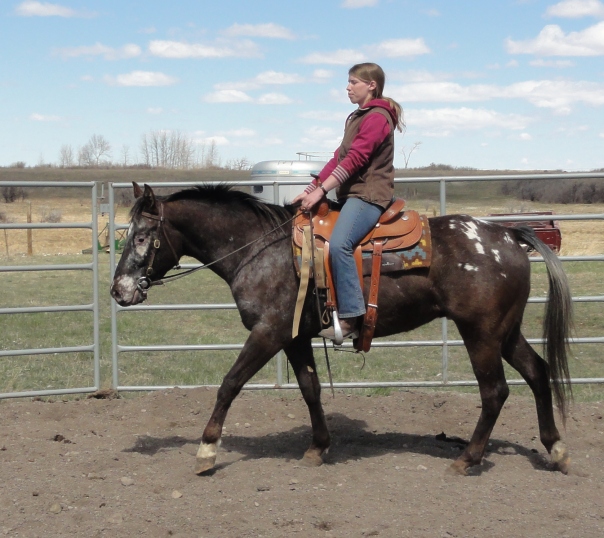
(145, 282)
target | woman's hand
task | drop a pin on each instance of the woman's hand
(309, 200)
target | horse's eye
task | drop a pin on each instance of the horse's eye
(140, 240)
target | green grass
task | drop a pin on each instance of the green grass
(224, 327)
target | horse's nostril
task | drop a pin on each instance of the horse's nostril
(115, 293)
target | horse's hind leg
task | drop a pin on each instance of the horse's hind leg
(300, 355)
(257, 351)
(488, 368)
(521, 356)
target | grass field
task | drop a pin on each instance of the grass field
(224, 327)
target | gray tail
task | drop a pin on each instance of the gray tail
(558, 321)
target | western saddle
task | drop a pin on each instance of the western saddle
(395, 231)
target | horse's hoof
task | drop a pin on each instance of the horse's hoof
(458, 468)
(312, 459)
(560, 457)
(206, 457)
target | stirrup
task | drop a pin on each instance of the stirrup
(337, 330)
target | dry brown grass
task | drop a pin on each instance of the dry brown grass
(578, 237)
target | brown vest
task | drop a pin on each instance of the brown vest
(374, 182)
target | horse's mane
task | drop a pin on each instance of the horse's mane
(227, 196)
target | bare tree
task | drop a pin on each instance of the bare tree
(407, 155)
(167, 149)
(99, 147)
(212, 159)
(239, 164)
(85, 156)
(66, 158)
(125, 155)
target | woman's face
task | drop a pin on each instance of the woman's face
(359, 91)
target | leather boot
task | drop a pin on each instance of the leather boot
(349, 328)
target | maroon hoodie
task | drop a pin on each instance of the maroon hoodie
(373, 130)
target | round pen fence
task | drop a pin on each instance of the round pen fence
(92, 307)
(444, 343)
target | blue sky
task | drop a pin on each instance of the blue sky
(503, 84)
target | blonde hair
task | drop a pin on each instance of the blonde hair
(368, 72)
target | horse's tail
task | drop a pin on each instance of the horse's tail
(558, 320)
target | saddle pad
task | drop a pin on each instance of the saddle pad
(412, 256)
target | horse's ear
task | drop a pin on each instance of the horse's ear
(138, 192)
(149, 198)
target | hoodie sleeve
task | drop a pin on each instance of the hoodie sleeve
(372, 132)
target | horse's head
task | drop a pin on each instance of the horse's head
(148, 253)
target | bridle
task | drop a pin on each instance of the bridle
(145, 282)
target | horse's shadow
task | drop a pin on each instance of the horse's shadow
(351, 440)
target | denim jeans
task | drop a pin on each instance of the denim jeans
(356, 219)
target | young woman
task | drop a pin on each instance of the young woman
(362, 171)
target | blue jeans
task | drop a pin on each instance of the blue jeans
(356, 219)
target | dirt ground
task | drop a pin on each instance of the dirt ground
(124, 467)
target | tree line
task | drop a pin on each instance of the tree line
(157, 149)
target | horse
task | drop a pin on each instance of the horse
(479, 278)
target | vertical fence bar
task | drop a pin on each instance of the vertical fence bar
(114, 350)
(444, 326)
(95, 289)
(279, 357)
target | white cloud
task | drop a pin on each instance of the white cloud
(575, 9)
(155, 110)
(447, 92)
(339, 57)
(31, 8)
(559, 95)
(525, 136)
(390, 48)
(129, 50)
(274, 99)
(324, 115)
(228, 96)
(141, 78)
(269, 30)
(244, 132)
(267, 78)
(552, 41)
(43, 117)
(354, 4)
(322, 75)
(274, 77)
(321, 137)
(177, 49)
(217, 140)
(443, 121)
(397, 48)
(551, 63)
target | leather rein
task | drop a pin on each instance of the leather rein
(145, 282)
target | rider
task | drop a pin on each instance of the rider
(362, 171)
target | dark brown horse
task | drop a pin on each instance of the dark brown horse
(479, 278)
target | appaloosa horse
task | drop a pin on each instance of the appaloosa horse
(479, 278)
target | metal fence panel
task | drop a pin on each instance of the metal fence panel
(92, 307)
(444, 343)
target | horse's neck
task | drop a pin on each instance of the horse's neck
(210, 233)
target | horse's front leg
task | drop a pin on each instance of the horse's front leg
(300, 355)
(258, 349)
